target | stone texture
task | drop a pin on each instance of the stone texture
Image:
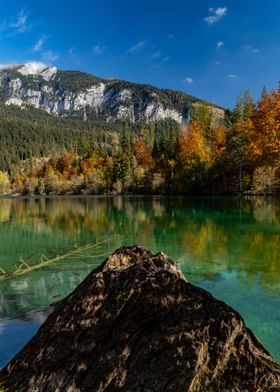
(38, 85)
(136, 324)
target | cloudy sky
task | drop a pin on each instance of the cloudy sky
(210, 49)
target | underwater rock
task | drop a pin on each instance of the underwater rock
(136, 324)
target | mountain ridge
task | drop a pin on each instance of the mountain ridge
(82, 95)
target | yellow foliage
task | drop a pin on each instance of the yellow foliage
(4, 182)
(263, 130)
(192, 144)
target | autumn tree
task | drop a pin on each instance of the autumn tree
(236, 164)
(192, 158)
(203, 113)
(265, 180)
(264, 130)
(143, 153)
(4, 182)
(217, 142)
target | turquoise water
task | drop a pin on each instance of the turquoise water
(229, 246)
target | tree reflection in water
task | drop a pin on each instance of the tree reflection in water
(213, 239)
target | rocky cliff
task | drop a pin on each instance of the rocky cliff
(136, 324)
(74, 93)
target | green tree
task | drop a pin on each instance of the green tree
(120, 167)
(248, 105)
(203, 114)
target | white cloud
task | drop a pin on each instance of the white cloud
(137, 47)
(157, 59)
(20, 25)
(220, 44)
(220, 12)
(156, 55)
(232, 76)
(49, 56)
(73, 56)
(165, 59)
(98, 49)
(251, 48)
(216, 14)
(188, 80)
(40, 43)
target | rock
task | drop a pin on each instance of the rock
(136, 324)
(72, 93)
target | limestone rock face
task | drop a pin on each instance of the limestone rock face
(78, 94)
(136, 324)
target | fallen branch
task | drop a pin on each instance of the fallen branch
(25, 268)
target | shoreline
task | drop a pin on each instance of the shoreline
(107, 196)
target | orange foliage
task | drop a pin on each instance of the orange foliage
(18, 183)
(34, 172)
(143, 153)
(64, 165)
(192, 144)
(218, 141)
(47, 169)
(85, 167)
(263, 129)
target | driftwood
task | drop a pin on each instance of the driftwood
(24, 267)
(136, 324)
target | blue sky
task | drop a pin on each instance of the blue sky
(210, 49)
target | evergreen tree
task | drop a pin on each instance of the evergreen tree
(120, 167)
(126, 142)
(264, 91)
(238, 109)
(248, 105)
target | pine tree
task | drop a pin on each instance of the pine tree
(264, 91)
(248, 105)
(238, 109)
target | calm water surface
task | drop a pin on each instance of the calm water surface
(228, 246)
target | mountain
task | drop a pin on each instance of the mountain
(81, 95)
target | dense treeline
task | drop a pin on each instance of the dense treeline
(27, 133)
(41, 154)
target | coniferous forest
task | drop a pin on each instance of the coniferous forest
(44, 155)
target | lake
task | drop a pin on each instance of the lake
(229, 246)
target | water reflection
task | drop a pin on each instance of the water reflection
(20, 296)
(218, 233)
(220, 243)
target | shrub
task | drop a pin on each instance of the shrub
(265, 180)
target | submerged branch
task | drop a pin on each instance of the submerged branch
(24, 268)
(4, 273)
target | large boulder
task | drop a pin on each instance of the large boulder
(136, 324)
